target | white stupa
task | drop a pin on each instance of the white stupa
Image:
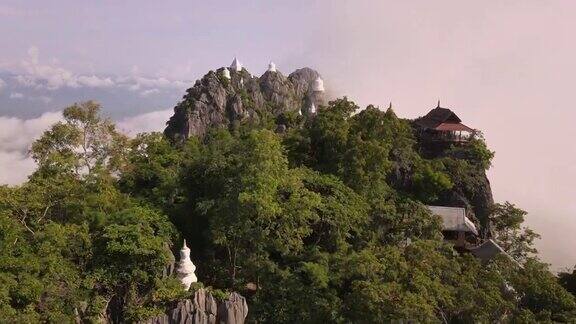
(271, 67)
(236, 65)
(185, 268)
(318, 85)
(313, 108)
(226, 73)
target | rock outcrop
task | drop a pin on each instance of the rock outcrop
(203, 308)
(218, 101)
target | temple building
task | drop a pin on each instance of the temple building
(318, 85)
(236, 65)
(443, 125)
(462, 233)
(185, 268)
(456, 227)
(312, 108)
(226, 73)
(271, 67)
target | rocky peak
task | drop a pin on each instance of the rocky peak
(218, 101)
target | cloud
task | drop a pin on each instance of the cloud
(95, 82)
(15, 167)
(45, 76)
(148, 92)
(149, 122)
(44, 99)
(16, 95)
(135, 83)
(52, 77)
(17, 136)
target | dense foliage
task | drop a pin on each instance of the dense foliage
(323, 223)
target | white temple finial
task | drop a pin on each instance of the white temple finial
(185, 268)
(272, 67)
(318, 85)
(236, 65)
(226, 73)
(313, 108)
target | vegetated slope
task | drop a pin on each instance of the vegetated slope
(321, 220)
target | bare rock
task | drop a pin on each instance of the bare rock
(203, 308)
(215, 101)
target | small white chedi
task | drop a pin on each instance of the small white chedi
(185, 268)
(236, 65)
(271, 67)
(318, 85)
(312, 108)
(226, 73)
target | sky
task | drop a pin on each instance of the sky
(505, 67)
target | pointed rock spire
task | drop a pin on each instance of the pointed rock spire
(185, 268)
(271, 67)
(438, 106)
(236, 65)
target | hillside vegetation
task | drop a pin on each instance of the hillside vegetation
(324, 222)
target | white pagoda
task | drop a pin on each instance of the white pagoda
(312, 108)
(318, 85)
(185, 268)
(271, 67)
(226, 73)
(236, 65)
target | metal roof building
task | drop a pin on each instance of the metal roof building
(454, 219)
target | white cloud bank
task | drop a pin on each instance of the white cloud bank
(154, 121)
(52, 77)
(17, 136)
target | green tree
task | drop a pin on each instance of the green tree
(517, 240)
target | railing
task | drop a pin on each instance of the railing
(447, 137)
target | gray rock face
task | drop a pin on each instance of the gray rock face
(215, 101)
(205, 309)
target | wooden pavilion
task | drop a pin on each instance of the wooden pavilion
(443, 125)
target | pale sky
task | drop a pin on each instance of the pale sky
(505, 67)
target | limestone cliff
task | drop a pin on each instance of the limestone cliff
(203, 308)
(218, 101)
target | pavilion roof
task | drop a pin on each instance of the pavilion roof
(453, 127)
(442, 119)
(454, 219)
(488, 250)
